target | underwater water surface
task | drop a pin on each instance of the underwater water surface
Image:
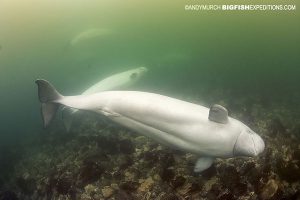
(246, 61)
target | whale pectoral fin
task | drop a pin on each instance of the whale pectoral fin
(218, 114)
(203, 164)
(67, 118)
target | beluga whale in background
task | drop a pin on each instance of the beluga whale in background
(209, 133)
(114, 82)
(89, 34)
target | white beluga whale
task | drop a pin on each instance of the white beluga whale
(117, 81)
(209, 133)
(89, 34)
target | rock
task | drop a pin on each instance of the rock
(295, 196)
(167, 174)
(156, 177)
(107, 192)
(108, 145)
(146, 185)
(168, 196)
(94, 157)
(266, 170)
(178, 181)
(124, 161)
(210, 172)
(269, 190)
(85, 196)
(254, 175)
(229, 176)
(129, 186)
(140, 141)
(166, 159)
(225, 195)
(114, 186)
(64, 184)
(122, 195)
(129, 176)
(92, 168)
(90, 173)
(126, 146)
(8, 195)
(216, 190)
(26, 184)
(288, 171)
(240, 189)
(209, 196)
(296, 155)
(150, 157)
(212, 185)
(287, 193)
(247, 167)
(187, 188)
(116, 174)
(90, 189)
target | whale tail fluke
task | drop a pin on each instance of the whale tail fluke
(49, 98)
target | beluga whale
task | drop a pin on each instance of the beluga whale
(89, 34)
(117, 81)
(207, 132)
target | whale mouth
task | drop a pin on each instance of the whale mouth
(143, 69)
(248, 143)
(259, 144)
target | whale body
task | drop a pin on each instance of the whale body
(117, 81)
(89, 34)
(209, 133)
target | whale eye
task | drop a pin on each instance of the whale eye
(133, 76)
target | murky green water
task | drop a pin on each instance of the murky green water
(247, 61)
(254, 53)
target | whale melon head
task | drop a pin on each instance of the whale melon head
(138, 73)
(248, 143)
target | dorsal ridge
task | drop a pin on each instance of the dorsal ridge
(218, 113)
